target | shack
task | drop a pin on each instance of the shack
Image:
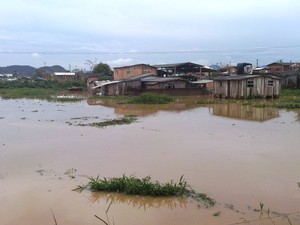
(151, 82)
(128, 86)
(247, 86)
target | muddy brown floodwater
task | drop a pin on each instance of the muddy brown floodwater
(245, 158)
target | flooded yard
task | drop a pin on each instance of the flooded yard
(246, 158)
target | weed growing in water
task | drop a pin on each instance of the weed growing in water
(217, 213)
(151, 99)
(261, 206)
(135, 186)
(128, 119)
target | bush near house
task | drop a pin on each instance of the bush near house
(149, 98)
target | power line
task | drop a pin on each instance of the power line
(253, 49)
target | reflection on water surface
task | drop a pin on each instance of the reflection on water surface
(231, 110)
(139, 202)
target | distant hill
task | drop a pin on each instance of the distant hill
(18, 70)
(53, 69)
(29, 70)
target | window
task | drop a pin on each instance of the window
(145, 71)
(129, 72)
(250, 83)
(170, 86)
(270, 83)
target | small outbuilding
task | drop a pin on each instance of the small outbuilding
(247, 86)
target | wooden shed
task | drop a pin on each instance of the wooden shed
(247, 86)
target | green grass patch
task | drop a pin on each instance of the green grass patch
(151, 99)
(44, 90)
(127, 119)
(208, 102)
(65, 99)
(31, 93)
(290, 93)
(116, 99)
(217, 214)
(132, 185)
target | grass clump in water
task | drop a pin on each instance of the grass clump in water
(132, 185)
(128, 119)
(152, 99)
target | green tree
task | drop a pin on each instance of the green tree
(103, 69)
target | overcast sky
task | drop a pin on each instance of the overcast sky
(123, 32)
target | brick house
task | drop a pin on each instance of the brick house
(125, 72)
(279, 67)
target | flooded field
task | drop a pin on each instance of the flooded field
(246, 158)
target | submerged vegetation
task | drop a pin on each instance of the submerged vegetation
(127, 119)
(289, 99)
(145, 98)
(132, 185)
(151, 99)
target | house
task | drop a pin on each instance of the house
(152, 82)
(126, 72)
(279, 67)
(139, 84)
(247, 86)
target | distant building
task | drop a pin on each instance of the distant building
(279, 67)
(227, 70)
(63, 76)
(244, 68)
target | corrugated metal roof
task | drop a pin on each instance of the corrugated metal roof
(161, 79)
(243, 77)
(104, 83)
(64, 74)
(202, 81)
(140, 77)
(172, 65)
